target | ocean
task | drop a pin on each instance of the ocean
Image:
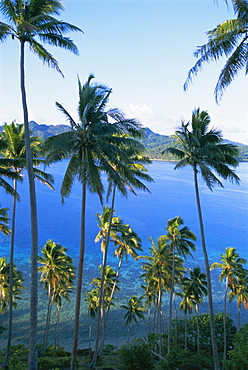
(225, 215)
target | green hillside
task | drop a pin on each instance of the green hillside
(154, 143)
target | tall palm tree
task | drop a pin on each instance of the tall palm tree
(127, 243)
(63, 290)
(131, 175)
(92, 298)
(196, 286)
(179, 242)
(15, 150)
(57, 271)
(228, 39)
(231, 267)
(187, 305)
(205, 152)
(158, 275)
(30, 20)
(134, 311)
(240, 292)
(94, 145)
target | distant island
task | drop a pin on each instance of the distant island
(154, 143)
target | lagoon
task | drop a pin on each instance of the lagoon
(225, 214)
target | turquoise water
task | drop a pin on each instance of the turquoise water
(225, 213)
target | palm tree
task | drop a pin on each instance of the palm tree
(187, 304)
(30, 20)
(5, 285)
(231, 267)
(240, 292)
(127, 242)
(131, 175)
(92, 298)
(228, 39)
(94, 145)
(57, 272)
(15, 150)
(63, 290)
(134, 311)
(197, 288)
(158, 275)
(179, 242)
(204, 151)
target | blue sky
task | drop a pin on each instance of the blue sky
(143, 50)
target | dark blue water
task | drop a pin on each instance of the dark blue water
(225, 213)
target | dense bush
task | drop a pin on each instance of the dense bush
(178, 358)
(238, 356)
(205, 332)
(136, 356)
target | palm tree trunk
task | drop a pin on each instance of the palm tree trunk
(224, 320)
(185, 330)
(48, 319)
(171, 299)
(56, 346)
(108, 308)
(114, 286)
(11, 267)
(32, 358)
(239, 307)
(101, 315)
(176, 331)
(209, 285)
(128, 334)
(160, 317)
(198, 329)
(79, 281)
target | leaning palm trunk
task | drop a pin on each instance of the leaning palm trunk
(80, 281)
(48, 319)
(101, 324)
(11, 262)
(171, 299)
(209, 286)
(32, 357)
(108, 307)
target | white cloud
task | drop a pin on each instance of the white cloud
(149, 118)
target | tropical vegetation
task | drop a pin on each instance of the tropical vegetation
(105, 151)
(28, 21)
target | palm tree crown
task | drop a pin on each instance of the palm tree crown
(34, 19)
(228, 39)
(204, 150)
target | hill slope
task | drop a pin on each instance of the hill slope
(154, 143)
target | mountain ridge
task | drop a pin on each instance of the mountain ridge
(154, 143)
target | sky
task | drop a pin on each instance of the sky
(143, 50)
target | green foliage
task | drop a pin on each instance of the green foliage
(52, 352)
(108, 348)
(238, 356)
(205, 332)
(18, 358)
(178, 357)
(45, 363)
(136, 356)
